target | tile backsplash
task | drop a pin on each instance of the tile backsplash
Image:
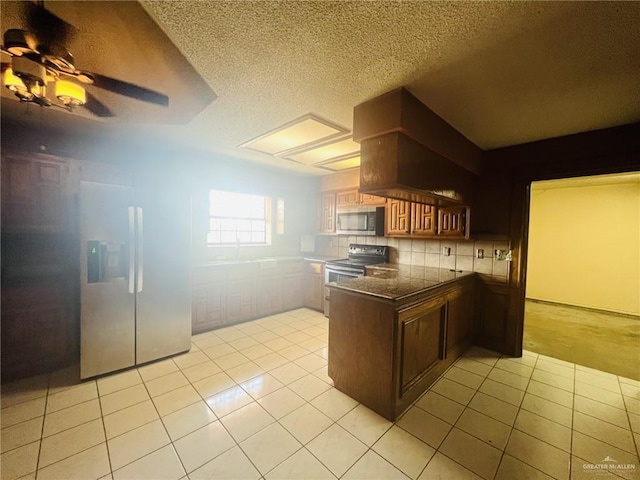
(429, 252)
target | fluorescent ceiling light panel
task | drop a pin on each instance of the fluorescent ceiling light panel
(326, 152)
(343, 164)
(299, 133)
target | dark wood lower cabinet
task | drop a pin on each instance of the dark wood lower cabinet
(314, 286)
(208, 307)
(39, 328)
(386, 353)
(492, 306)
(292, 286)
(227, 294)
(241, 294)
(268, 293)
(208, 298)
(421, 341)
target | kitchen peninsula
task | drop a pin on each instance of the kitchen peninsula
(394, 331)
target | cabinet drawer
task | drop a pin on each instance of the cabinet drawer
(314, 268)
(246, 271)
(208, 274)
(295, 267)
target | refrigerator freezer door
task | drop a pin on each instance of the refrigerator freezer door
(163, 301)
(107, 308)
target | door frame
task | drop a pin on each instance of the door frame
(506, 180)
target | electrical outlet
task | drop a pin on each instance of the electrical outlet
(504, 255)
(446, 251)
(480, 253)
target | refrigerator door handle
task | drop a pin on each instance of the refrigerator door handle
(140, 251)
(132, 250)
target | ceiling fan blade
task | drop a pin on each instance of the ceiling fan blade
(129, 90)
(96, 107)
(52, 32)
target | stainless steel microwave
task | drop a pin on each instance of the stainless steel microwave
(360, 221)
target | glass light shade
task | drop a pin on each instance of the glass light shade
(70, 93)
(16, 85)
(13, 82)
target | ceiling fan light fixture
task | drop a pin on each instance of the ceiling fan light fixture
(71, 94)
(16, 85)
(15, 42)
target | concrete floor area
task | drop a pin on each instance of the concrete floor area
(601, 340)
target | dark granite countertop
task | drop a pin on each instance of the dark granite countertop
(306, 256)
(396, 282)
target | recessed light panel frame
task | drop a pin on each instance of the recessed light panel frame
(297, 135)
(339, 164)
(325, 152)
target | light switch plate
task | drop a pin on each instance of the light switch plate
(446, 251)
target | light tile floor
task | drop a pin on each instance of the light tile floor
(254, 401)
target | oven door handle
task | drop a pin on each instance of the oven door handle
(331, 268)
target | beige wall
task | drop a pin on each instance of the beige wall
(584, 243)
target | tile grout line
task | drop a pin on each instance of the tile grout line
(104, 428)
(303, 446)
(162, 423)
(370, 448)
(276, 421)
(633, 436)
(452, 426)
(44, 418)
(573, 414)
(513, 427)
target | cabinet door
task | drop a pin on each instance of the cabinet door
(422, 334)
(314, 297)
(38, 334)
(398, 218)
(208, 307)
(423, 219)
(347, 198)
(452, 221)
(460, 319)
(314, 286)
(292, 291)
(32, 194)
(268, 295)
(241, 301)
(368, 199)
(328, 212)
(17, 192)
(493, 313)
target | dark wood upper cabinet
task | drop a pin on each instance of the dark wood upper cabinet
(347, 198)
(453, 222)
(408, 219)
(327, 212)
(352, 198)
(423, 219)
(34, 194)
(398, 218)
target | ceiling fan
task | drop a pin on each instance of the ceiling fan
(39, 58)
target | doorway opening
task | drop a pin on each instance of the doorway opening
(583, 272)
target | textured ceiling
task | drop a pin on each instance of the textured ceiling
(502, 73)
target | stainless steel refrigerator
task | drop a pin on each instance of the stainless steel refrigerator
(135, 275)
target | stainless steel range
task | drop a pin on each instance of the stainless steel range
(355, 265)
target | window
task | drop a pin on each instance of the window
(238, 218)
